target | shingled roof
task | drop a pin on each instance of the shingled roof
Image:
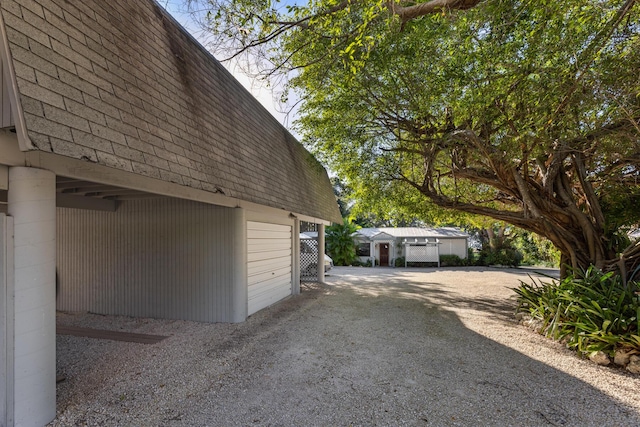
(121, 84)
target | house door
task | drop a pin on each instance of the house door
(384, 254)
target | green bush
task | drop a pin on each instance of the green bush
(472, 258)
(536, 250)
(422, 264)
(592, 311)
(503, 256)
(341, 245)
(451, 261)
(358, 263)
(399, 262)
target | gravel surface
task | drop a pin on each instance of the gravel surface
(371, 347)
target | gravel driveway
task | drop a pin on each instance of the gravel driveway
(372, 347)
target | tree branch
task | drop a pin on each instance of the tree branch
(407, 13)
(603, 36)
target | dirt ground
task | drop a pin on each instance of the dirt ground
(371, 347)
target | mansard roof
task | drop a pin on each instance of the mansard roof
(121, 84)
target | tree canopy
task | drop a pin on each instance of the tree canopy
(527, 112)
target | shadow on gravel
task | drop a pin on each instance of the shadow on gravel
(443, 373)
(394, 282)
(371, 347)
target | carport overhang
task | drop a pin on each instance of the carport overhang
(112, 185)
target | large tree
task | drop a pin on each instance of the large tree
(527, 112)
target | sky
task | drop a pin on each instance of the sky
(263, 94)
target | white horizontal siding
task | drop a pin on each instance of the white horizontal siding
(269, 257)
(257, 268)
(163, 258)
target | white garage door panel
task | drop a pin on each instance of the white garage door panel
(268, 285)
(261, 266)
(256, 277)
(253, 225)
(265, 245)
(267, 234)
(269, 257)
(268, 299)
(267, 231)
(274, 256)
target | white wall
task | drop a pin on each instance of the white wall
(454, 247)
(163, 258)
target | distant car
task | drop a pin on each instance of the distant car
(309, 256)
(328, 263)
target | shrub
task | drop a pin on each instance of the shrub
(399, 262)
(536, 250)
(471, 257)
(358, 263)
(503, 256)
(451, 261)
(341, 245)
(592, 311)
(422, 264)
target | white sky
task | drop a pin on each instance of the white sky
(263, 94)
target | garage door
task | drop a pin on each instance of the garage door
(269, 264)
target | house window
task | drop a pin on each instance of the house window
(364, 249)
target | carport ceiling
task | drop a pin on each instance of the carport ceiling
(80, 194)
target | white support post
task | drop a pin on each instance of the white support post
(372, 253)
(240, 284)
(6, 320)
(406, 254)
(32, 204)
(295, 271)
(320, 253)
(392, 254)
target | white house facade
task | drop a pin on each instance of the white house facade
(382, 246)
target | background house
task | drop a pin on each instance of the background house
(137, 168)
(382, 246)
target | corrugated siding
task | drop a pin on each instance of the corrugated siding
(6, 114)
(268, 264)
(162, 258)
